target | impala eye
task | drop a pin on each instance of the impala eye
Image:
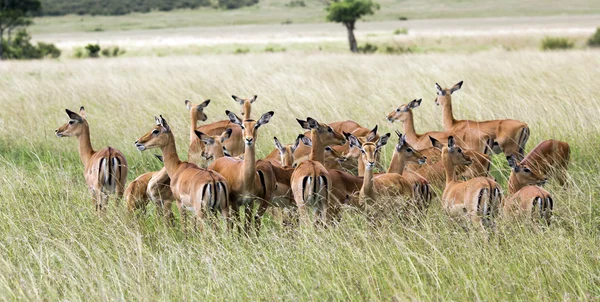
(71, 122)
(329, 129)
(526, 170)
(459, 150)
(397, 109)
(155, 131)
(409, 150)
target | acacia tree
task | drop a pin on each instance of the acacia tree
(15, 13)
(348, 12)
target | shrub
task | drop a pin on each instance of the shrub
(553, 43)
(93, 50)
(233, 4)
(397, 49)
(287, 21)
(112, 52)
(402, 18)
(296, 3)
(367, 48)
(241, 51)
(274, 49)
(594, 40)
(401, 31)
(21, 48)
(48, 50)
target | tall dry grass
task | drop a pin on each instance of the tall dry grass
(53, 246)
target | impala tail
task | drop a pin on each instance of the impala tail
(485, 201)
(542, 206)
(214, 195)
(315, 190)
(109, 170)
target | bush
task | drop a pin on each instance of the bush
(287, 21)
(241, 51)
(296, 3)
(112, 52)
(274, 49)
(233, 4)
(401, 31)
(553, 43)
(93, 50)
(367, 48)
(402, 18)
(594, 40)
(21, 48)
(397, 49)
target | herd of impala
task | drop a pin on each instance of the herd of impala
(329, 166)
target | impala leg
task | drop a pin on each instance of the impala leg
(303, 214)
(183, 216)
(167, 212)
(249, 208)
(199, 219)
(262, 208)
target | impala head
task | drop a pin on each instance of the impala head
(354, 152)
(76, 124)
(213, 145)
(455, 153)
(197, 111)
(327, 135)
(444, 95)
(401, 113)
(405, 150)
(246, 104)
(369, 150)
(157, 138)
(333, 155)
(287, 152)
(249, 127)
(524, 174)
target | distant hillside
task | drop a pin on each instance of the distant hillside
(123, 7)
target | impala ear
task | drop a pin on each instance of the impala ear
(456, 87)
(354, 142)
(303, 124)
(164, 124)
(252, 100)
(226, 134)
(451, 142)
(157, 120)
(401, 140)
(297, 143)
(372, 134)
(74, 116)
(415, 103)
(278, 145)
(234, 118)
(512, 162)
(203, 137)
(435, 143)
(237, 99)
(383, 140)
(312, 123)
(82, 112)
(306, 140)
(264, 119)
(159, 157)
(440, 91)
(203, 105)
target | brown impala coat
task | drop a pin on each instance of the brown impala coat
(194, 188)
(550, 158)
(150, 186)
(526, 195)
(510, 136)
(105, 171)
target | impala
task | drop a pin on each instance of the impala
(526, 197)
(105, 171)
(311, 183)
(510, 136)
(235, 145)
(478, 198)
(249, 181)
(213, 144)
(550, 158)
(422, 142)
(151, 186)
(194, 188)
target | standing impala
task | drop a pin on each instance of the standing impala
(311, 183)
(194, 188)
(249, 181)
(422, 142)
(105, 171)
(478, 198)
(550, 158)
(151, 186)
(526, 195)
(510, 136)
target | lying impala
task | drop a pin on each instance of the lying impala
(151, 186)
(105, 171)
(479, 198)
(550, 158)
(235, 145)
(311, 183)
(194, 188)
(422, 142)
(248, 180)
(213, 144)
(526, 197)
(510, 136)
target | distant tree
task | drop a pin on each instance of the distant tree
(348, 12)
(13, 14)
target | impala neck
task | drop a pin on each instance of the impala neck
(170, 156)
(85, 145)
(448, 166)
(447, 117)
(513, 184)
(247, 109)
(317, 151)
(409, 128)
(193, 125)
(397, 164)
(249, 166)
(367, 192)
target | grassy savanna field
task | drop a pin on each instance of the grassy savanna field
(55, 246)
